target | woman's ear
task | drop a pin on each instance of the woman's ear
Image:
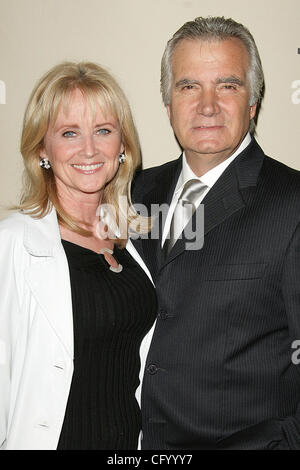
(43, 153)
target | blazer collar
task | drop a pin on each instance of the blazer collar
(248, 165)
(42, 236)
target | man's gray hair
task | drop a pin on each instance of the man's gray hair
(211, 29)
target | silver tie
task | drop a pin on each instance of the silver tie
(183, 212)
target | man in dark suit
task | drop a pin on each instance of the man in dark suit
(220, 372)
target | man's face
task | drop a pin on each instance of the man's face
(209, 108)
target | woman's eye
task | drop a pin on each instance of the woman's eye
(103, 131)
(69, 134)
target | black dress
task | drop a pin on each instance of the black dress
(112, 311)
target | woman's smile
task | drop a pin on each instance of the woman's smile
(87, 169)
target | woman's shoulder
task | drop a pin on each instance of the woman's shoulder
(13, 222)
(12, 229)
(36, 233)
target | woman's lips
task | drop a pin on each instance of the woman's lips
(87, 169)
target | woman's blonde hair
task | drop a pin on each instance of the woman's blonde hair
(53, 90)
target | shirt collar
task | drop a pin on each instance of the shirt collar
(211, 176)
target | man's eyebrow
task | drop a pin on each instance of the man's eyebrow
(231, 79)
(186, 81)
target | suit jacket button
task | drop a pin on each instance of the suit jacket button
(152, 369)
(163, 315)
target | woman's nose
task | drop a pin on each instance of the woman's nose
(89, 147)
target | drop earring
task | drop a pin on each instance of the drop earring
(44, 163)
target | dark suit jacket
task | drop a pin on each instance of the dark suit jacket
(219, 373)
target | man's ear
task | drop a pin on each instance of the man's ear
(168, 110)
(253, 110)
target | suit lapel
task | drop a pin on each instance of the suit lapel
(221, 202)
(160, 193)
(225, 197)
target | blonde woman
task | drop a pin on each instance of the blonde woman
(74, 305)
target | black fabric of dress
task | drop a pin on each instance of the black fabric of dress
(111, 314)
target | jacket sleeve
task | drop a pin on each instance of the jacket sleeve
(9, 322)
(291, 296)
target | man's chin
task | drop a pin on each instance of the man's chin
(209, 149)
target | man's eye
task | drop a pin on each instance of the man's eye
(69, 134)
(188, 87)
(230, 87)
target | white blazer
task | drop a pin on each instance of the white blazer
(36, 332)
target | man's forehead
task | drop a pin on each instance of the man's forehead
(228, 53)
(210, 44)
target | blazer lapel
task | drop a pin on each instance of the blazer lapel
(48, 276)
(225, 197)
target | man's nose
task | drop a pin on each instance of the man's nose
(208, 102)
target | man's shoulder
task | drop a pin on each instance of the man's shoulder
(157, 170)
(281, 174)
(149, 178)
(281, 189)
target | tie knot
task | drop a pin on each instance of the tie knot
(191, 191)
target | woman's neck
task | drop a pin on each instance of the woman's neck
(81, 207)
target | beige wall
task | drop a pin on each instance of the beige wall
(128, 37)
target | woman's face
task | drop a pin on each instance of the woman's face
(83, 149)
